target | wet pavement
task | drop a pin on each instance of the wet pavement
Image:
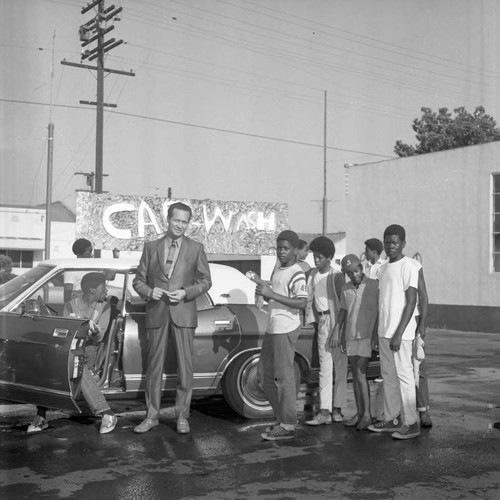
(225, 458)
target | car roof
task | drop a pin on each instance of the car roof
(229, 285)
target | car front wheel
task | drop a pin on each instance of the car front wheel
(242, 391)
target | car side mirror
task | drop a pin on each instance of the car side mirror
(30, 306)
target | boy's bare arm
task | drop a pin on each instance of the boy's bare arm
(337, 333)
(339, 282)
(423, 303)
(267, 292)
(411, 302)
(375, 335)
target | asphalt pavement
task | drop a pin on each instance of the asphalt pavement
(224, 457)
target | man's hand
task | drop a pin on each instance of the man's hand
(93, 328)
(396, 342)
(375, 345)
(343, 344)
(333, 340)
(421, 331)
(263, 289)
(176, 296)
(157, 293)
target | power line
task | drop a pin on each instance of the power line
(270, 50)
(205, 127)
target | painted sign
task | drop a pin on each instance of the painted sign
(224, 227)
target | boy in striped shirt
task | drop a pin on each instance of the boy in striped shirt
(287, 295)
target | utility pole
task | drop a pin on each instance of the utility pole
(325, 201)
(48, 197)
(95, 31)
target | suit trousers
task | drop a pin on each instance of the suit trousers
(399, 381)
(157, 355)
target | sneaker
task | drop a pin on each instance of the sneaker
(279, 433)
(387, 425)
(146, 425)
(337, 417)
(272, 426)
(425, 419)
(38, 424)
(108, 423)
(320, 419)
(407, 432)
(183, 426)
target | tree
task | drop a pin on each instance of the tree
(5, 269)
(443, 130)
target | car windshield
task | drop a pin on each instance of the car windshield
(15, 287)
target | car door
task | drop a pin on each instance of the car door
(218, 335)
(40, 359)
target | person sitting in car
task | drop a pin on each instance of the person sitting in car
(91, 306)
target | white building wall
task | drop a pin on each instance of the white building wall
(444, 201)
(22, 228)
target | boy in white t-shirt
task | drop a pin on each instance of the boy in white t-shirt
(287, 295)
(398, 285)
(324, 286)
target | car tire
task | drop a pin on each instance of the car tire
(241, 390)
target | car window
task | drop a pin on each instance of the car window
(48, 298)
(203, 302)
(15, 287)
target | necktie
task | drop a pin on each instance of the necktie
(170, 257)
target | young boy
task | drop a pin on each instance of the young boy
(374, 261)
(398, 284)
(302, 253)
(422, 381)
(287, 295)
(357, 323)
(324, 286)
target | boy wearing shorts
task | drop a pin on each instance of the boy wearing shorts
(357, 324)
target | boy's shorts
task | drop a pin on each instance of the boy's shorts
(359, 347)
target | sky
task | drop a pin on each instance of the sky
(228, 98)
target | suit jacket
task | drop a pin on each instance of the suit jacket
(191, 272)
(335, 282)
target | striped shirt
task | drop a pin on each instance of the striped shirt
(290, 282)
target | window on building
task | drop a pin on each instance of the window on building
(20, 258)
(496, 222)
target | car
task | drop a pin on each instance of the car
(41, 351)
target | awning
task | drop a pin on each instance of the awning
(18, 243)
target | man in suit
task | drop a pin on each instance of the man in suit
(173, 271)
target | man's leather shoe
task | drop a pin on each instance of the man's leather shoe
(183, 426)
(146, 425)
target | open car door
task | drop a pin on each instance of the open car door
(41, 359)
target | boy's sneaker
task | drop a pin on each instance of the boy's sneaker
(337, 417)
(387, 425)
(108, 423)
(38, 424)
(272, 426)
(320, 419)
(407, 432)
(425, 419)
(278, 433)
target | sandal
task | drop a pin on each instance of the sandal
(353, 421)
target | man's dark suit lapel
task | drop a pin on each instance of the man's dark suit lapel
(161, 255)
